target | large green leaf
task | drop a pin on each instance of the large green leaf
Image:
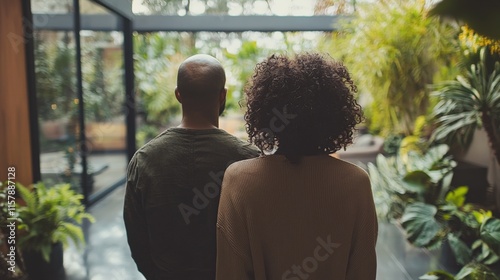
(475, 271)
(484, 254)
(457, 196)
(417, 181)
(462, 252)
(490, 234)
(437, 275)
(388, 176)
(445, 183)
(420, 224)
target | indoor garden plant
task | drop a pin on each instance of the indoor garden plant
(432, 213)
(472, 233)
(49, 218)
(416, 176)
(470, 101)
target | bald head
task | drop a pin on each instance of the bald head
(200, 77)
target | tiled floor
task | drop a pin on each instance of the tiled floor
(107, 255)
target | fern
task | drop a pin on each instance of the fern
(49, 216)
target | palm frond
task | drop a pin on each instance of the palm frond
(464, 102)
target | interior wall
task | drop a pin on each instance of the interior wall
(15, 148)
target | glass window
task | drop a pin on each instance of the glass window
(103, 100)
(158, 56)
(52, 6)
(57, 106)
(242, 7)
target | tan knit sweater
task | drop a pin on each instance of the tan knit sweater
(312, 220)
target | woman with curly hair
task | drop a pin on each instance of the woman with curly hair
(298, 213)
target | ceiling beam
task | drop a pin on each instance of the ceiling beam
(211, 23)
(124, 8)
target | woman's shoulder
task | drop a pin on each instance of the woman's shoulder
(244, 166)
(353, 177)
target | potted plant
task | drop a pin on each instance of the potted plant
(469, 102)
(472, 271)
(470, 233)
(49, 218)
(414, 176)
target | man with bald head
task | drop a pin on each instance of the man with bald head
(173, 182)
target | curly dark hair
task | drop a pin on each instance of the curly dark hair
(301, 105)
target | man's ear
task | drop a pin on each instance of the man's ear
(222, 95)
(178, 95)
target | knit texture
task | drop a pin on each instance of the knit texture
(171, 200)
(311, 220)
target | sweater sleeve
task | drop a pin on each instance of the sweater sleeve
(135, 222)
(233, 250)
(362, 264)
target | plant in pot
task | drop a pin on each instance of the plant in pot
(472, 271)
(416, 176)
(49, 218)
(469, 102)
(471, 233)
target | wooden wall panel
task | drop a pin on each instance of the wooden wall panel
(15, 148)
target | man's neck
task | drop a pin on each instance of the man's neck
(191, 123)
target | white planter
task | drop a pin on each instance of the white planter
(480, 153)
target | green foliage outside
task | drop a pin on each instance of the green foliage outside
(103, 90)
(55, 79)
(158, 56)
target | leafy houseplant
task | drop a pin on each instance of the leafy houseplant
(50, 216)
(472, 271)
(409, 178)
(472, 233)
(469, 102)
